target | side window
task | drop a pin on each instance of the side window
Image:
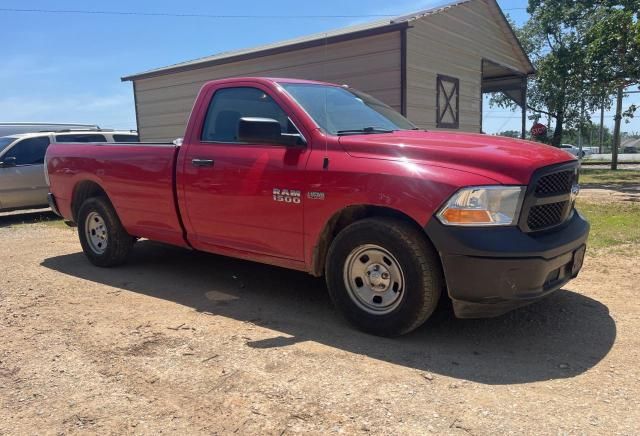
(29, 151)
(126, 138)
(81, 137)
(228, 105)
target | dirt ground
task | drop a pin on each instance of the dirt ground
(604, 195)
(181, 342)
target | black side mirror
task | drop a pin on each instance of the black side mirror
(266, 131)
(8, 162)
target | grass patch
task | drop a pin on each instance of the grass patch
(592, 176)
(612, 224)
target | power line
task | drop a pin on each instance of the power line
(183, 15)
(194, 15)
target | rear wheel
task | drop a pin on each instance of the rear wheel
(103, 239)
(384, 276)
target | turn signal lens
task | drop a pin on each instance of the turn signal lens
(483, 206)
(466, 216)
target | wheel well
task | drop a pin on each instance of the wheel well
(342, 219)
(83, 191)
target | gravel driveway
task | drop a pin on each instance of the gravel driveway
(183, 342)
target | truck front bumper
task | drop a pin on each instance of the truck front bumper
(492, 270)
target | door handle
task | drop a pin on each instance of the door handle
(202, 162)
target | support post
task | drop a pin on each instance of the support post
(523, 96)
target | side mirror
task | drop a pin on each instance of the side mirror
(266, 131)
(8, 162)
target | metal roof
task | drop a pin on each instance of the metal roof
(317, 39)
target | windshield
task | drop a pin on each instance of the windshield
(339, 110)
(5, 141)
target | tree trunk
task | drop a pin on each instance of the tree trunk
(601, 140)
(557, 132)
(616, 130)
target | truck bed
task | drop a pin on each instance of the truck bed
(139, 179)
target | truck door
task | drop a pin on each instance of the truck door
(244, 196)
(22, 182)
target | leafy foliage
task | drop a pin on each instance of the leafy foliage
(591, 136)
(510, 134)
(613, 48)
(581, 50)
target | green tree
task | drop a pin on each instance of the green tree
(583, 51)
(591, 134)
(613, 51)
(510, 133)
(554, 38)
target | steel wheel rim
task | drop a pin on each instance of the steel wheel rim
(374, 279)
(95, 230)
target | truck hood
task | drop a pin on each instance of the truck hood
(505, 160)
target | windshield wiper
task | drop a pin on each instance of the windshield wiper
(364, 130)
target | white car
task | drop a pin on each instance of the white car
(22, 179)
(575, 150)
(7, 129)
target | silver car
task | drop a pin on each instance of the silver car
(7, 129)
(22, 179)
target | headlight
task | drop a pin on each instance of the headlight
(483, 206)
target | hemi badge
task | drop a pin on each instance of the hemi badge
(312, 195)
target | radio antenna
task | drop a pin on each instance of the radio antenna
(325, 160)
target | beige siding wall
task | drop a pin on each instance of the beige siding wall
(453, 43)
(371, 64)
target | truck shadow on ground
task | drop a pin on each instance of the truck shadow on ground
(559, 337)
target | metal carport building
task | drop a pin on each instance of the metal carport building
(432, 65)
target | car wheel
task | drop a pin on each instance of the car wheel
(104, 241)
(384, 276)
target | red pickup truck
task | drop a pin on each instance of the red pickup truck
(325, 179)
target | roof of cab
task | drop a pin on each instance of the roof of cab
(269, 80)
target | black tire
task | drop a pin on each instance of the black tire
(117, 243)
(422, 278)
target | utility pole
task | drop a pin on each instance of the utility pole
(600, 144)
(616, 130)
(580, 129)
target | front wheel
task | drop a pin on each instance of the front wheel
(104, 241)
(384, 276)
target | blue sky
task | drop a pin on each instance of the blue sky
(67, 68)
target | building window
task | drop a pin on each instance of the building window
(447, 102)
